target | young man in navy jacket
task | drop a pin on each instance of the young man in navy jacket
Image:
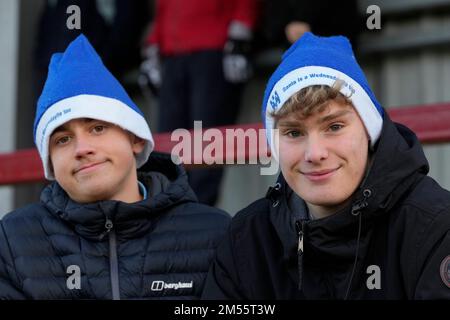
(103, 229)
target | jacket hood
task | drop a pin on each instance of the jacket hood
(167, 186)
(397, 163)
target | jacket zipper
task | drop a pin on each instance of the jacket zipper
(113, 262)
(299, 226)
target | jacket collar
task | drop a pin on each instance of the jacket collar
(167, 186)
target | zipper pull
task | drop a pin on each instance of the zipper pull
(299, 226)
(361, 204)
(108, 225)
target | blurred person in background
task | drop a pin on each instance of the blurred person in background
(197, 62)
(114, 27)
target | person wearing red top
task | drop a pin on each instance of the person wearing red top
(182, 27)
(196, 61)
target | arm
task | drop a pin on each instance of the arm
(246, 12)
(154, 35)
(222, 281)
(299, 20)
(304, 11)
(434, 279)
(150, 76)
(237, 49)
(8, 290)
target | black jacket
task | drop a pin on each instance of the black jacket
(159, 248)
(325, 18)
(401, 215)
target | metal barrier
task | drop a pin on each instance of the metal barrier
(431, 123)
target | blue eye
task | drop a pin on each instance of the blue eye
(336, 127)
(293, 134)
(62, 140)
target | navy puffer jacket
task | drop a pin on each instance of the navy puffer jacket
(159, 248)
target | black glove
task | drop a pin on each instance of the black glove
(150, 70)
(236, 62)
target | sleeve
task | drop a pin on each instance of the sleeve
(303, 10)
(434, 279)
(247, 12)
(7, 288)
(222, 279)
(154, 36)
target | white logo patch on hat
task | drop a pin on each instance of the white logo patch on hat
(303, 77)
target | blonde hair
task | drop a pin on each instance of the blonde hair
(312, 99)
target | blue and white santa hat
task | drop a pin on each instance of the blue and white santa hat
(314, 60)
(78, 85)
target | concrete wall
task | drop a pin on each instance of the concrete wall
(9, 26)
(408, 63)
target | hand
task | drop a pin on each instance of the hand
(150, 70)
(295, 30)
(236, 63)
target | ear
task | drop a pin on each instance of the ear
(137, 144)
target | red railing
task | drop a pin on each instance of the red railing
(431, 123)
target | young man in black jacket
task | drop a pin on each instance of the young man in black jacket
(104, 230)
(354, 214)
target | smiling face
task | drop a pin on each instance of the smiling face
(94, 160)
(323, 156)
